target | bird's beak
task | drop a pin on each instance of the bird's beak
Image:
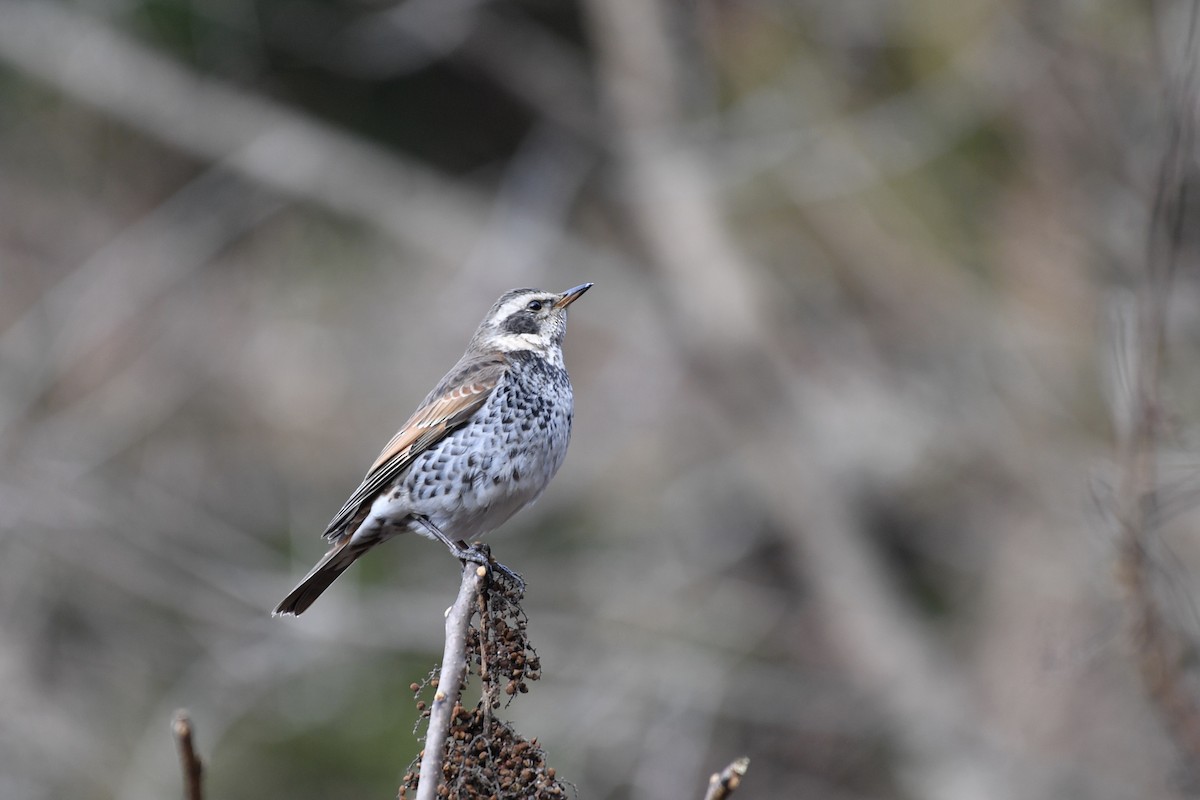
(571, 295)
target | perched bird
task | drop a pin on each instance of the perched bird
(482, 446)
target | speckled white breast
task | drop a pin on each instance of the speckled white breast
(481, 474)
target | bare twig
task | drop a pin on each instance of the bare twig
(724, 783)
(189, 762)
(454, 667)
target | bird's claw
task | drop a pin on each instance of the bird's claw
(476, 554)
(481, 554)
(511, 576)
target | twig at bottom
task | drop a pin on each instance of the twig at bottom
(454, 667)
(189, 762)
(724, 783)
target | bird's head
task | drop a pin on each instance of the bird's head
(528, 319)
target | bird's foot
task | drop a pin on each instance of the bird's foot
(477, 553)
(512, 577)
(480, 553)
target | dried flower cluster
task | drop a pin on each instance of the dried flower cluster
(486, 757)
(499, 646)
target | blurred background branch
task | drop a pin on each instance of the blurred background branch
(713, 290)
(261, 139)
(1162, 649)
(840, 386)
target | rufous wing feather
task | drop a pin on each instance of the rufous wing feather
(459, 395)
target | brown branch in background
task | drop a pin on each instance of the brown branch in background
(450, 681)
(674, 206)
(189, 762)
(1160, 649)
(724, 783)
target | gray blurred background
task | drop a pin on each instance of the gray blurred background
(835, 498)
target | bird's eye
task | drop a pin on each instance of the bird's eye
(534, 305)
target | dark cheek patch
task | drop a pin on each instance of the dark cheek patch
(521, 323)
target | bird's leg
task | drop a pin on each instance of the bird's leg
(477, 553)
(458, 548)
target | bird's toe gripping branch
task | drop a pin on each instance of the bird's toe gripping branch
(480, 553)
(477, 553)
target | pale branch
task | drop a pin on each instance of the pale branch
(252, 135)
(724, 783)
(276, 146)
(189, 763)
(450, 679)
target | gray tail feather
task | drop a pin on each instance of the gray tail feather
(333, 564)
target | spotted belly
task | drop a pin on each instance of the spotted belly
(478, 477)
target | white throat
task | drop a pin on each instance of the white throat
(509, 342)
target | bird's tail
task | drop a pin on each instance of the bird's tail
(332, 564)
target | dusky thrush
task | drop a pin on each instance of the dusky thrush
(482, 446)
